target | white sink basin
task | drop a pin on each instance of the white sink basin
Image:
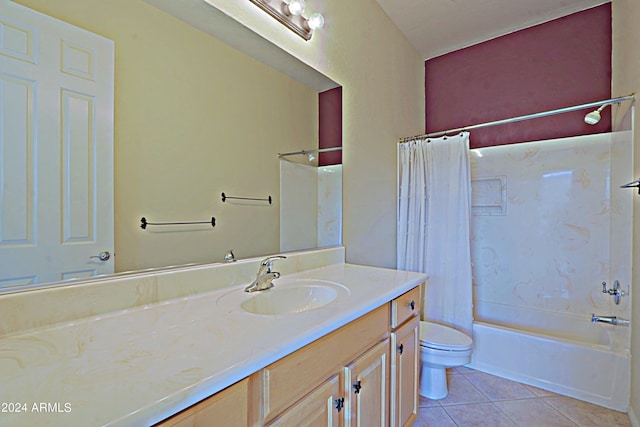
(287, 297)
(290, 300)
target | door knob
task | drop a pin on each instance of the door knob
(102, 256)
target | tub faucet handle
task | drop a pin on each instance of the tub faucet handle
(615, 292)
(611, 320)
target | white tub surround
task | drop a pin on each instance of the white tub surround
(550, 225)
(141, 364)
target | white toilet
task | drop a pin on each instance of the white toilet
(441, 347)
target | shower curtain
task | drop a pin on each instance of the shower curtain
(434, 206)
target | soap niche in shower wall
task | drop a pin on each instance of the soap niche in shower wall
(489, 195)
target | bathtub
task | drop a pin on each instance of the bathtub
(590, 372)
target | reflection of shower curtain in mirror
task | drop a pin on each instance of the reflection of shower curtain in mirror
(434, 205)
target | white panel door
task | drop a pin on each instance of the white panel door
(56, 149)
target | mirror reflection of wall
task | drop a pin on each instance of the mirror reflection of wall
(311, 183)
(311, 205)
(193, 118)
(330, 126)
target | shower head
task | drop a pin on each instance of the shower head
(594, 117)
(311, 156)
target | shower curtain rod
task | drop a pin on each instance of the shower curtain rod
(316, 150)
(520, 118)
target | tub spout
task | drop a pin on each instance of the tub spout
(612, 320)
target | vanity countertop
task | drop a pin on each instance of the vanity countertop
(139, 366)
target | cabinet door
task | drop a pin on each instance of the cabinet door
(287, 380)
(368, 387)
(226, 408)
(405, 365)
(323, 407)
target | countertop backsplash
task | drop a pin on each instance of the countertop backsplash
(53, 305)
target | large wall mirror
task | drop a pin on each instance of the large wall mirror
(203, 106)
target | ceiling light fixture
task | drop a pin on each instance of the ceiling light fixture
(289, 13)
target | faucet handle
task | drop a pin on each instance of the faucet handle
(267, 261)
(229, 256)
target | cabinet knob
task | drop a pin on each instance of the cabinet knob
(357, 386)
(401, 348)
(412, 304)
(339, 403)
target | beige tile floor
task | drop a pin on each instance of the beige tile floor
(479, 399)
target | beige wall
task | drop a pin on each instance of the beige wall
(193, 118)
(626, 79)
(383, 99)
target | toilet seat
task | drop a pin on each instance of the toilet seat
(444, 338)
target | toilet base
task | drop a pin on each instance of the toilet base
(433, 382)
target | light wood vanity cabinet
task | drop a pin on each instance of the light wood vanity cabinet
(405, 359)
(292, 377)
(363, 374)
(318, 408)
(368, 387)
(405, 307)
(228, 407)
(405, 372)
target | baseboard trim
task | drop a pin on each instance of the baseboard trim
(633, 417)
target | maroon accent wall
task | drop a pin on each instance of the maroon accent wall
(330, 126)
(557, 64)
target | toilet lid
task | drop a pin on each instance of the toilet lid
(443, 337)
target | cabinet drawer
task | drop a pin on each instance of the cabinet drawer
(286, 380)
(405, 306)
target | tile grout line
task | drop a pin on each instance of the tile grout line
(492, 402)
(489, 400)
(561, 413)
(447, 412)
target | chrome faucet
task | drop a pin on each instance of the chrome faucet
(229, 256)
(612, 320)
(265, 276)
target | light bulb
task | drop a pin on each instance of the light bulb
(315, 21)
(296, 7)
